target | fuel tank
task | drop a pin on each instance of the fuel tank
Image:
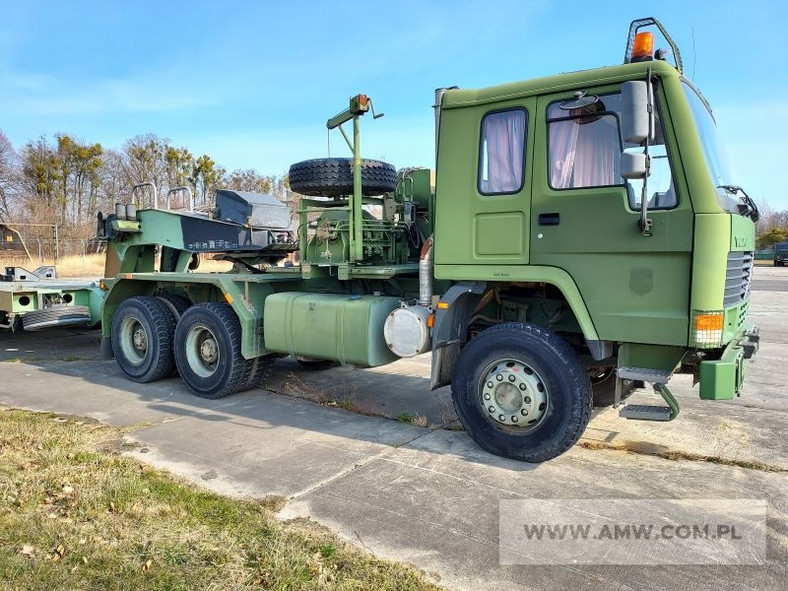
(344, 328)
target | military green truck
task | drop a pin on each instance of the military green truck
(579, 237)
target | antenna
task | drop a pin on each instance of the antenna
(694, 55)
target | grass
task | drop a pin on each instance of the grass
(76, 514)
(412, 418)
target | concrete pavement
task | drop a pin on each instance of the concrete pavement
(430, 496)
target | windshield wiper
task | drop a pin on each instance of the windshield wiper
(750, 209)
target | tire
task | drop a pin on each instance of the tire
(55, 317)
(603, 387)
(259, 368)
(536, 364)
(208, 351)
(177, 304)
(332, 177)
(311, 364)
(142, 339)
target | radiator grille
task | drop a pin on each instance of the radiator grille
(738, 277)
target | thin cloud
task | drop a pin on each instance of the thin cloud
(41, 95)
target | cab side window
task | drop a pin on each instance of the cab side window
(585, 149)
(502, 152)
(585, 146)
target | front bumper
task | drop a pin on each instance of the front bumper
(721, 379)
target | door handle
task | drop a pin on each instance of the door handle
(549, 219)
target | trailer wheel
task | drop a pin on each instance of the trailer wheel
(56, 316)
(142, 339)
(521, 392)
(332, 177)
(208, 351)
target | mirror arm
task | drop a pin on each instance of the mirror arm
(644, 222)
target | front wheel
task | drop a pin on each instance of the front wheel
(521, 392)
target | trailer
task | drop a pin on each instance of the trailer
(38, 300)
(579, 237)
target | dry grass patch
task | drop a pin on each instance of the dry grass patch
(75, 514)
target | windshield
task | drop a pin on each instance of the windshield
(782, 248)
(713, 149)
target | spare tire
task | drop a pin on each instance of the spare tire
(332, 177)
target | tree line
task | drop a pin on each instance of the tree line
(772, 228)
(66, 181)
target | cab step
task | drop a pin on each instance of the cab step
(653, 376)
(645, 412)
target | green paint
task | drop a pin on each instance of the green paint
(348, 329)
(538, 250)
(526, 274)
(650, 356)
(722, 379)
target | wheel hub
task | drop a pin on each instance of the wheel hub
(513, 394)
(202, 351)
(133, 340)
(209, 350)
(140, 339)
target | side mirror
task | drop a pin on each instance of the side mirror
(637, 123)
(634, 165)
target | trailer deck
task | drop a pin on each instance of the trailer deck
(39, 300)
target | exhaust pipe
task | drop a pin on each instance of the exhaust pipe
(425, 274)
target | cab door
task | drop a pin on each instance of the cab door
(585, 218)
(483, 187)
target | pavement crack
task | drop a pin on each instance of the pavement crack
(341, 474)
(682, 455)
(360, 464)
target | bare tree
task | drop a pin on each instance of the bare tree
(9, 178)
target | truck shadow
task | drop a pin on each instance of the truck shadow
(382, 406)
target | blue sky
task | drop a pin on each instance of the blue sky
(252, 83)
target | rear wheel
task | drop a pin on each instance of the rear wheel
(177, 304)
(142, 338)
(521, 392)
(259, 368)
(208, 351)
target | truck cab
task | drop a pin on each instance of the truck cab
(645, 271)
